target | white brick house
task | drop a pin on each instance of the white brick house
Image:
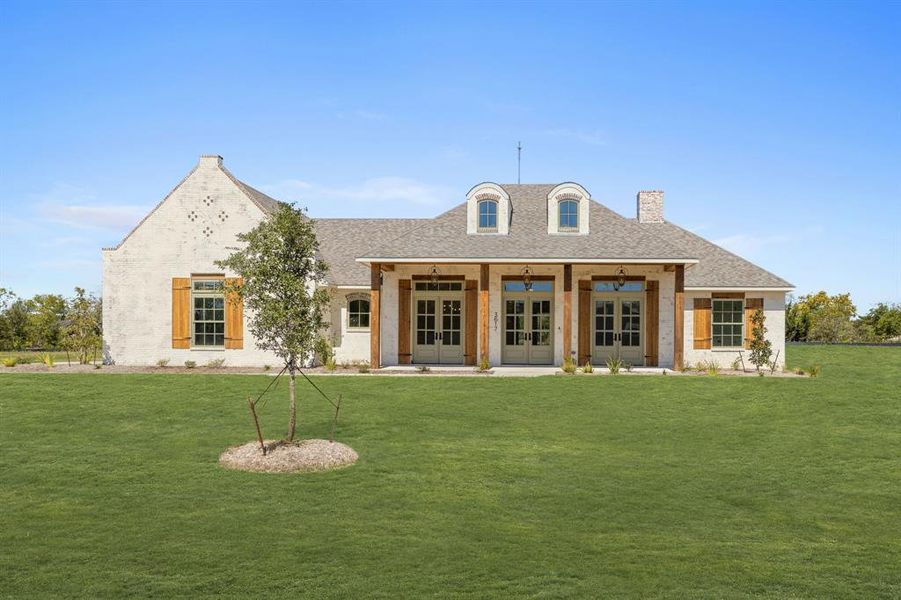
(516, 274)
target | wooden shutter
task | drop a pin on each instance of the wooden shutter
(702, 325)
(234, 317)
(584, 326)
(181, 312)
(404, 356)
(470, 321)
(751, 305)
(652, 322)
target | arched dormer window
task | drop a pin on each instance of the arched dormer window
(358, 312)
(488, 210)
(568, 215)
(568, 210)
(487, 215)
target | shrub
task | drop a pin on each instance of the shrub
(266, 367)
(363, 366)
(761, 348)
(324, 351)
(163, 362)
(713, 368)
(47, 359)
(216, 363)
(10, 361)
(614, 363)
(484, 365)
(423, 368)
(701, 367)
(569, 365)
(190, 364)
(628, 367)
(587, 368)
(98, 366)
(686, 367)
(814, 371)
(737, 365)
(799, 371)
(330, 364)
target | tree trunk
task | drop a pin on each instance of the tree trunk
(292, 421)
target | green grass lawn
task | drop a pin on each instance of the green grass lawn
(468, 487)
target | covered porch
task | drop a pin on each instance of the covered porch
(535, 312)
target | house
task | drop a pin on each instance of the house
(515, 274)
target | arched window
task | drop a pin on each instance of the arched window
(569, 215)
(488, 215)
(358, 313)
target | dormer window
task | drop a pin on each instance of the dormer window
(488, 215)
(569, 215)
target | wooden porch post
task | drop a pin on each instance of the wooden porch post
(375, 347)
(567, 311)
(679, 318)
(483, 312)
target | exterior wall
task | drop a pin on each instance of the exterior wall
(350, 345)
(137, 277)
(774, 313)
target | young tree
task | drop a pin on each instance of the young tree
(761, 348)
(83, 323)
(280, 268)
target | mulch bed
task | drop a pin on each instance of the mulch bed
(304, 456)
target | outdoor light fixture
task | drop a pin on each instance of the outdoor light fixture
(433, 274)
(527, 278)
(620, 279)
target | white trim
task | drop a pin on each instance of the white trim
(347, 287)
(522, 260)
(745, 288)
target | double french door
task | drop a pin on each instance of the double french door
(617, 329)
(438, 328)
(528, 328)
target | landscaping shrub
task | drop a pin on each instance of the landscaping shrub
(814, 371)
(587, 368)
(190, 364)
(423, 368)
(713, 368)
(330, 364)
(10, 361)
(47, 359)
(569, 365)
(163, 362)
(216, 363)
(324, 351)
(363, 366)
(614, 363)
(484, 365)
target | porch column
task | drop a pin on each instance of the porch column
(375, 347)
(483, 312)
(679, 318)
(567, 311)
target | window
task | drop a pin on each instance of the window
(488, 215)
(208, 300)
(537, 286)
(629, 286)
(358, 313)
(441, 286)
(569, 215)
(727, 323)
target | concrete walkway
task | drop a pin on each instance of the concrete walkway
(508, 371)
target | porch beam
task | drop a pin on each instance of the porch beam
(483, 312)
(567, 310)
(375, 288)
(679, 318)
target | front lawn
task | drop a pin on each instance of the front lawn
(467, 487)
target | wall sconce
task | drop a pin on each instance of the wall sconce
(434, 275)
(527, 278)
(620, 279)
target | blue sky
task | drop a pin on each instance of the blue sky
(774, 129)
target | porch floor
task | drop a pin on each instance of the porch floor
(506, 370)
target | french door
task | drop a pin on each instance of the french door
(617, 329)
(438, 328)
(528, 328)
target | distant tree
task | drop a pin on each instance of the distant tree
(280, 267)
(16, 318)
(882, 322)
(761, 348)
(797, 321)
(826, 318)
(83, 325)
(45, 320)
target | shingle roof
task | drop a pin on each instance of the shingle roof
(266, 203)
(342, 241)
(717, 267)
(611, 235)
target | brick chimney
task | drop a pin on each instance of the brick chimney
(650, 206)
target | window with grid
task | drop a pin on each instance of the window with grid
(208, 300)
(569, 214)
(728, 323)
(488, 215)
(358, 313)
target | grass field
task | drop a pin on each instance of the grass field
(470, 487)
